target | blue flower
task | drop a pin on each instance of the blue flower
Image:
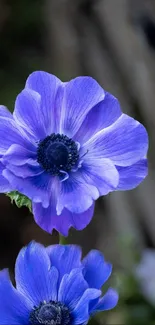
(54, 287)
(65, 145)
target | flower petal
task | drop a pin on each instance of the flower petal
(37, 188)
(71, 288)
(80, 95)
(47, 86)
(64, 258)
(101, 173)
(48, 219)
(76, 195)
(35, 278)
(99, 117)
(108, 301)
(4, 112)
(21, 161)
(28, 113)
(11, 134)
(131, 176)
(81, 312)
(18, 155)
(124, 142)
(4, 184)
(14, 307)
(96, 271)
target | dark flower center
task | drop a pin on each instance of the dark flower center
(57, 152)
(51, 313)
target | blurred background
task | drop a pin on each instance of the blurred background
(114, 42)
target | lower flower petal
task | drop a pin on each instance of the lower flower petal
(4, 184)
(107, 302)
(76, 195)
(72, 288)
(131, 176)
(37, 188)
(96, 271)
(124, 142)
(101, 173)
(14, 307)
(48, 219)
(81, 312)
(35, 278)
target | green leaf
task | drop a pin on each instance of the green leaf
(20, 200)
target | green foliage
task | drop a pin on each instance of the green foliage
(20, 200)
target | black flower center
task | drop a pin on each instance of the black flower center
(51, 313)
(57, 152)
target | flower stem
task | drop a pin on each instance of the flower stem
(62, 240)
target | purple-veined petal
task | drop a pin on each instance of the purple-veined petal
(107, 302)
(101, 173)
(11, 134)
(124, 142)
(14, 307)
(35, 278)
(48, 219)
(71, 288)
(47, 85)
(4, 184)
(131, 176)
(28, 113)
(65, 258)
(36, 188)
(4, 112)
(80, 95)
(76, 195)
(96, 271)
(99, 117)
(81, 311)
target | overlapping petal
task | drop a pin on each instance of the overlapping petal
(35, 278)
(14, 307)
(132, 176)
(65, 258)
(99, 117)
(14, 135)
(69, 194)
(48, 219)
(4, 184)
(101, 173)
(96, 270)
(29, 113)
(37, 188)
(124, 142)
(18, 155)
(50, 89)
(108, 301)
(81, 311)
(80, 95)
(72, 287)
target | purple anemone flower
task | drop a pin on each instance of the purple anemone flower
(66, 144)
(54, 287)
